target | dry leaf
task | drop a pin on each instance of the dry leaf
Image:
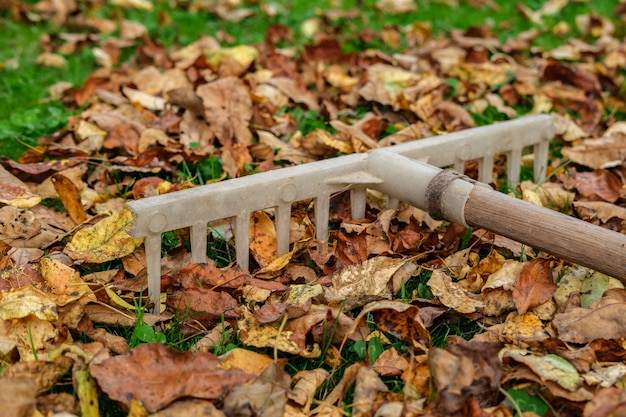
(165, 376)
(263, 243)
(255, 334)
(104, 241)
(70, 197)
(356, 285)
(228, 108)
(534, 285)
(452, 295)
(14, 192)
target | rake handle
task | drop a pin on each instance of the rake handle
(563, 236)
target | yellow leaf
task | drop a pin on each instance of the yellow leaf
(259, 335)
(105, 241)
(243, 54)
(137, 409)
(263, 244)
(27, 300)
(252, 362)
(65, 281)
(328, 140)
(273, 268)
(116, 300)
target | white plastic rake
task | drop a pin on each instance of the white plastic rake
(410, 172)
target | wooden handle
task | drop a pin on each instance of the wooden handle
(566, 237)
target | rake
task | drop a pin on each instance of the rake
(412, 172)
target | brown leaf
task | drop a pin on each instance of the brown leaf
(70, 197)
(255, 334)
(17, 396)
(564, 72)
(44, 373)
(14, 192)
(581, 325)
(315, 324)
(534, 285)
(465, 369)
(156, 375)
(190, 408)
(306, 385)
(367, 386)
(452, 295)
(400, 321)
(209, 276)
(266, 396)
(228, 108)
(606, 402)
(390, 363)
(204, 304)
(595, 153)
(600, 184)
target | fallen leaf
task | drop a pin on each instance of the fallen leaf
(27, 300)
(464, 369)
(17, 397)
(367, 386)
(165, 376)
(548, 367)
(452, 295)
(581, 325)
(534, 285)
(265, 396)
(263, 243)
(104, 241)
(356, 285)
(255, 334)
(390, 363)
(228, 108)
(246, 360)
(14, 192)
(64, 281)
(306, 385)
(598, 152)
(206, 305)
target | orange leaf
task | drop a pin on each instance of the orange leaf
(534, 285)
(263, 244)
(70, 197)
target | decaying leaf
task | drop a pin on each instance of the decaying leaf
(165, 375)
(227, 107)
(14, 192)
(258, 335)
(534, 285)
(452, 295)
(104, 241)
(25, 301)
(263, 243)
(358, 284)
(17, 398)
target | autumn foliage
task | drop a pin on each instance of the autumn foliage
(343, 324)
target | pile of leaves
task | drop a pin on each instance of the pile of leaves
(344, 325)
